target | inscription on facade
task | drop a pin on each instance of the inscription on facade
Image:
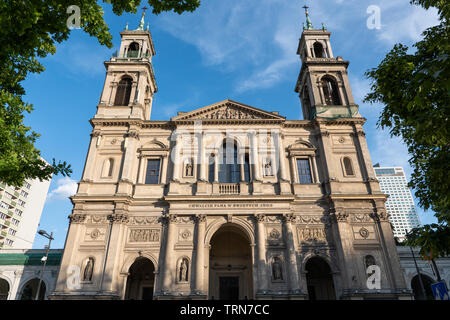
(144, 235)
(230, 205)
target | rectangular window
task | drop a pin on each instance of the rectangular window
(152, 175)
(246, 168)
(211, 169)
(304, 171)
(4, 205)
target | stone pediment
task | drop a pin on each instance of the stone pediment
(227, 110)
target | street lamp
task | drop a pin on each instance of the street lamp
(44, 259)
(424, 295)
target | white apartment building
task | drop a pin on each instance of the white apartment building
(400, 204)
(20, 212)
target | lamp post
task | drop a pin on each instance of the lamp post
(44, 259)
(424, 296)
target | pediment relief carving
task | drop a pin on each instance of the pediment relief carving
(228, 111)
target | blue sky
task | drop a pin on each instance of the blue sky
(244, 50)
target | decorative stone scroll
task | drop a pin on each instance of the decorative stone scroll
(313, 220)
(144, 235)
(144, 220)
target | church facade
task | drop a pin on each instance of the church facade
(229, 201)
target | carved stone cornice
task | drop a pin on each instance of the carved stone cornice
(259, 218)
(289, 217)
(380, 215)
(77, 218)
(118, 218)
(199, 218)
(133, 134)
(338, 215)
(96, 134)
(169, 218)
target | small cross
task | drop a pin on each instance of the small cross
(144, 8)
(306, 8)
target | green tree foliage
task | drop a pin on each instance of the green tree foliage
(29, 31)
(415, 91)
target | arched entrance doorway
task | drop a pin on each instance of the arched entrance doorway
(427, 282)
(141, 280)
(4, 289)
(230, 264)
(319, 280)
(29, 290)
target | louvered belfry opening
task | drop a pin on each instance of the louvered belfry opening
(318, 50)
(330, 91)
(123, 92)
(133, 50)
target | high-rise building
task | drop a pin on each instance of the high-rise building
(228, 201)
(400, 203)
(20, 212)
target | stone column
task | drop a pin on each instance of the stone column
(261, 249)
(216, 168)
(169, 268)
(90, 160)
(254, 152)
(164, 165)
(76, 220)
(130, 154)
(241, 166)
(202, 157)
(176, 159)
(281, 157)
(113, 250)
(200, 261)
(292, 262)
(293, 171)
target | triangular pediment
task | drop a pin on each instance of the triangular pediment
(228, 110)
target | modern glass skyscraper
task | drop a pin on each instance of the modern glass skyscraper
(400, 204)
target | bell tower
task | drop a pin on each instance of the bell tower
(130, 80)
(322, 84)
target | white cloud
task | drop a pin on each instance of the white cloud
(81, 58)
(257, 40)
(66, 187)
(405, 23)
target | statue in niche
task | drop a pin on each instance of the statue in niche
(189, 169)
(88, 269)
(268, 168)
(183, 276)
(277, 272)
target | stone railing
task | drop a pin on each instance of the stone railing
(229, 188)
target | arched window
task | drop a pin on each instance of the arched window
(133, 50)
(229, 171)
(123, 92)
(330, 91)
(348, 167)
(318, 50)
